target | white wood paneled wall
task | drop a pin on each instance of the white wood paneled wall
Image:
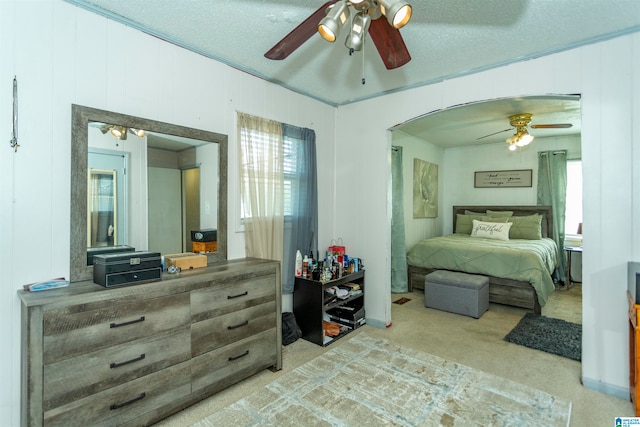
(64, 55)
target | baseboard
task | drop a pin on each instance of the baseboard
(376, 323)
(612, 390)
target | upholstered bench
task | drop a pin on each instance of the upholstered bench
(460, 293)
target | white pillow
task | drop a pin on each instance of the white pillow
(491, 230)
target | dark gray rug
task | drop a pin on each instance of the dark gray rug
(553, 336)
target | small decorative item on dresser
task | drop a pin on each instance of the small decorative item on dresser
(204, 246)
(186, 261)
(204, 240)
(45, 285)
(126, 268)
(207, 235)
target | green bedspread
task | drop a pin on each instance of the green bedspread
(526, 260)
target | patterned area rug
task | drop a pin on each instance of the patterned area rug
(555, 336)
(374, 382)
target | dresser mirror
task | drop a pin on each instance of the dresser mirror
(147, 188)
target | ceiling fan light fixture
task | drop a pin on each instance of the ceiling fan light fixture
(524, 139)
(359, 28)
(520, 139)
(119, 132)
(397, 12)
(330, 26)
(137, 132)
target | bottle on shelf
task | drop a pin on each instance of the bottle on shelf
(305, 267)
(298, 263)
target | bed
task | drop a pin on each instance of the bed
(519, 269)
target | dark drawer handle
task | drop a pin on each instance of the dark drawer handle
(232, 358)
(135, 359)
(117, 325)
(238, 296)
(122, 405)
(245, 323)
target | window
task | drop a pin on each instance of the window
(278, 191)
(291, 174)
(573, 214)
(253, 163)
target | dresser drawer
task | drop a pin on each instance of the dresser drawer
(232, 296)
(81, 329)
(120, 404)
(80, 376)
(215, 370)
(217, 332)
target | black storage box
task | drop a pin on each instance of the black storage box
(121, 269)
(208, 235)
(91, 252)
(349, 315)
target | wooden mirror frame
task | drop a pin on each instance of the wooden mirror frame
(81, 116)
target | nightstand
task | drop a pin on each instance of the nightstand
(570, 250)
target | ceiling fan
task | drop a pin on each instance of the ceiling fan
(522, 136)
(331, 16)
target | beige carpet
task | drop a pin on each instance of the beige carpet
(374, 381)
(477, 343)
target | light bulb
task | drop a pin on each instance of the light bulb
(525, 140)
(331, 24)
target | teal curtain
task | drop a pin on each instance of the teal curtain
(301, 231)
(399, 282)
(552, 190)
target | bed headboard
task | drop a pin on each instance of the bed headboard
(545, 211)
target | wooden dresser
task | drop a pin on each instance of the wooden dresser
(136, 354)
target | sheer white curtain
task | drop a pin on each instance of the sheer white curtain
(262, 186)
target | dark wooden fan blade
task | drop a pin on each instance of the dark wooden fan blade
(389, 42)
(495, 133)
(556, 126)
(299, 35)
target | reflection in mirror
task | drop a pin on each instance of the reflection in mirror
(103, 219)
(146, 189)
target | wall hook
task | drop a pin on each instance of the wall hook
(14, 136)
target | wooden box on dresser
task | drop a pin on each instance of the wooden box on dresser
(136, 354)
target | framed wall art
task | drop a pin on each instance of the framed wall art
(425, 189)
(503, 179)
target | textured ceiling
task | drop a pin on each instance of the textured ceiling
(445, 38)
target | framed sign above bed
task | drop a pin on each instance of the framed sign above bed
(501, 179)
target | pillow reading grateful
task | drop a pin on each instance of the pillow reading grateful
(491, 230)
